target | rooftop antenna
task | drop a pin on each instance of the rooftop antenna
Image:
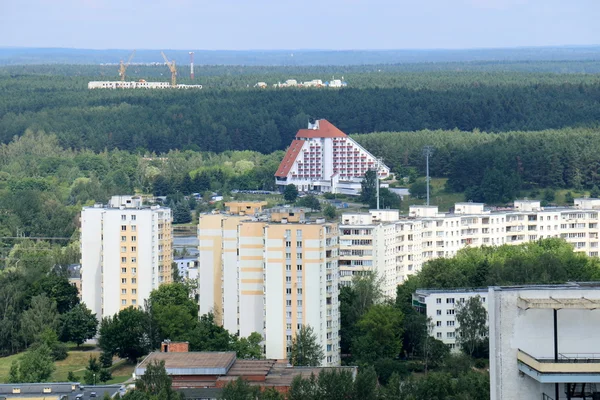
(427, 151)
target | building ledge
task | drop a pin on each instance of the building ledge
(584, 369)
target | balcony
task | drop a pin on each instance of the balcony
(568, 368)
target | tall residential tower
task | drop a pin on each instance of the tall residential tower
(126, 252)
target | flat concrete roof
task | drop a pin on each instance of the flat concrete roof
(554, 303)
(191, 363)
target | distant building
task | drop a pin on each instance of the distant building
(544, 342)
(440, 308)
(271, 274)
(74, 274)
(126, 252)
(142, 84)
(324, 159)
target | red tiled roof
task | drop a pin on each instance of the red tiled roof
(289, 158)
(326, 130)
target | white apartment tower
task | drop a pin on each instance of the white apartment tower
(323, 158)
(125, 253)
(271, 276)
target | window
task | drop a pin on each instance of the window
(438, 335)
(438, 312)
(133, 218)
(123, 217)
(288, 326)
(300, 291)
(288, 244)
(288, 303)
(123, 227)
(133, 291)
(299, 267)
(133, 260)
(450, 335)
(123, 270)
(300, 303)
(134, 270)
(123, 249)
(134, 280)
(288, 279)
(133, 238)
(288, 267)
(133, 228)
(438, 300)
(123, 259)
(299, 256)
(124, 302)
(134, 301)
(123, 280)
(438, 323)
(288, 256)
(449, 323)
(123, 291)
(450, 301)
(123, 238)
(288, 291)
(299, 244)
(288, 314)
(133, 249)
(449, 312)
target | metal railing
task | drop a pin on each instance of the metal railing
(546, 397)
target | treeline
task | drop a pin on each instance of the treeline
(43, 186)
(496, 168)
(265, 121)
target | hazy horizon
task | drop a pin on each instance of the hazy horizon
(266, 25)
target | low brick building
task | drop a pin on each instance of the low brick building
(204, 374)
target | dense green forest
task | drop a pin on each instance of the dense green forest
(219, 119)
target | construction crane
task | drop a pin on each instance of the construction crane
(123, 67)
(171, 65)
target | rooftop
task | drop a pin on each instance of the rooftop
(192, 363)
(321, 129)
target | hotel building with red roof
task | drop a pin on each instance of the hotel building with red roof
(322, 158)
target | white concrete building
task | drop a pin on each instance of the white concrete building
(440, 307)
(126, 252)
(544, 342)
(405, 242)
(324, 159)
(271, 275)
(141, 84)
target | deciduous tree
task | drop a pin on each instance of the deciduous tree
(306, 349)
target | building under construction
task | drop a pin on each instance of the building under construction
(142, 84)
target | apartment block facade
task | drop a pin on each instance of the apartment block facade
(323, 158)
(440, 307)
(396, 246)
(271, 275)
(126, 252)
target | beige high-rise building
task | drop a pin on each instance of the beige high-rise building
(126, 252)
(271, 275)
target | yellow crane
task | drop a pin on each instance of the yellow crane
(123, 67)
(171, 65)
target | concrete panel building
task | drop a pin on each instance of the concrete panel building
(271, 276)
(126, 252)
(440, 307)
(396, 246)
(544, 342)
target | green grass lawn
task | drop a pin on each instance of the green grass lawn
(76, 362)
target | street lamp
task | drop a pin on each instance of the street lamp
(94, 379)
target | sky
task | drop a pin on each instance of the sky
(304, 24)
